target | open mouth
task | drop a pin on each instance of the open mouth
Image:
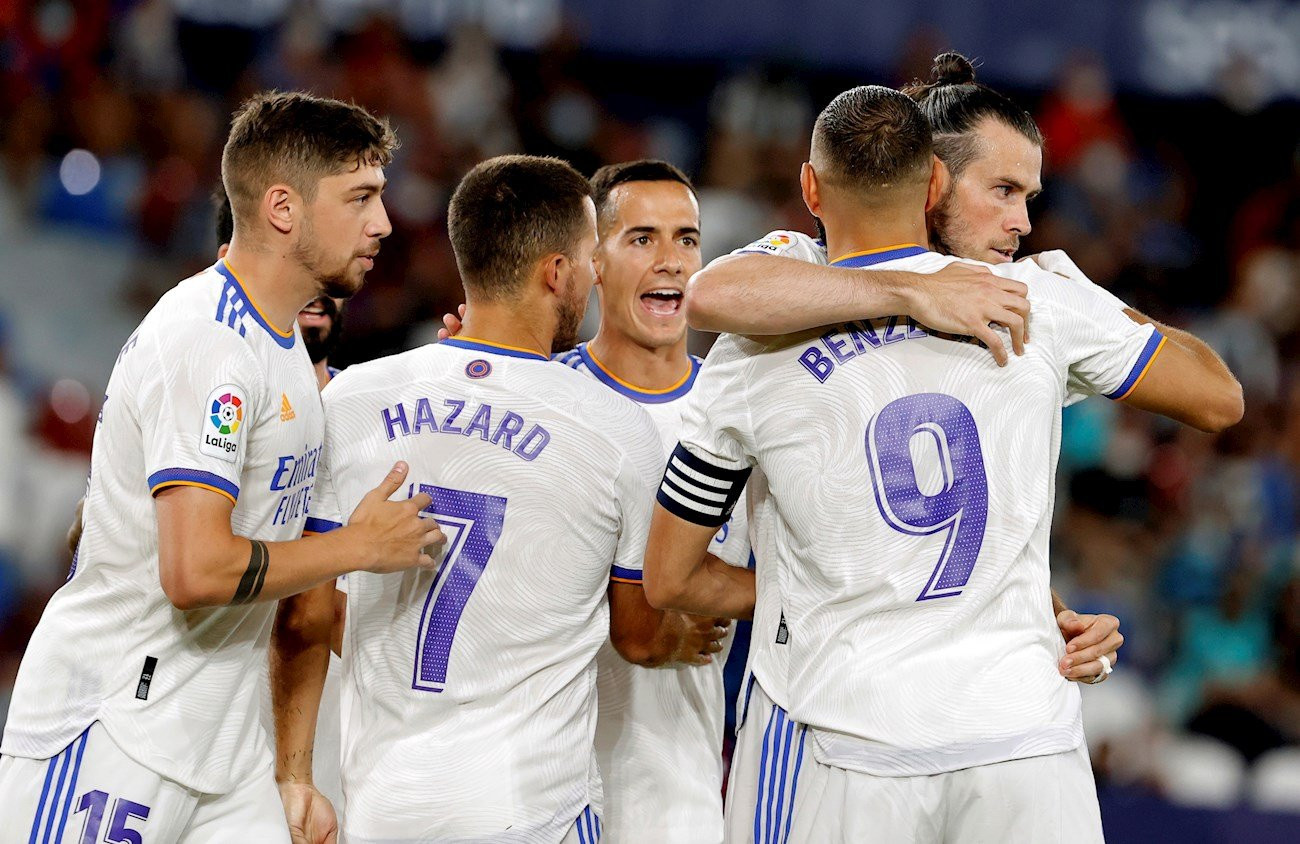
(1008, 254)
(317, 312)
(664, 302)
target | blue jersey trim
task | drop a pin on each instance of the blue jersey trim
(626, 574)
(250, 308)
(314, 525)
(620, 386)
(869, 258)
(1147, 355)
(191, 477)
(493, 349)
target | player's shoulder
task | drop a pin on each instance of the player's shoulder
(373, 375)
(185, 320)
(609, 415)
(788, 244)
(572, 358)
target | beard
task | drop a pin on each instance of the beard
(568, 319)
(333, 280)
(944, 229)
(321, 340)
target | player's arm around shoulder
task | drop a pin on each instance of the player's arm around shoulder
(782, 284)
(1181, 376)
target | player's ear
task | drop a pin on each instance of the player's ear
(280, 206)
(940, 178)
(556, 270)
(811, 191)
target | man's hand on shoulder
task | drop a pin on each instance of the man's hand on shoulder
(966, 300)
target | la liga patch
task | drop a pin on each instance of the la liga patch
(225, 415)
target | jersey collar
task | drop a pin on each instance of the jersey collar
(618, 385)
(476, 345)
(878, 256)
(283, 338)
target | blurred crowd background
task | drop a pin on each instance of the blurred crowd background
(1176, 183)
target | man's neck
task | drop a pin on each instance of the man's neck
(874, 232)
(506, 325)
(322, 368)
(277, 284)
(657, 368)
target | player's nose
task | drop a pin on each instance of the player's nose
(379, 225)
(1018, 221)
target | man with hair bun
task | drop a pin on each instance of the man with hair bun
(900, 511)
(992, 150)
(135, 712)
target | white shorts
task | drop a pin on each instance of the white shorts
(771, 752)
(585, 830)
(1038, 800)
(92, 791)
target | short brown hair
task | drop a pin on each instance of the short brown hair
(604, 180)
(297, 139)
(508, 213)
(871, 139)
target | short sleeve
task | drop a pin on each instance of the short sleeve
(1056, 261)
(787, 244)
(706, 472)
(638, 473)
(324, 512)
(1103, 351)
(197, 405)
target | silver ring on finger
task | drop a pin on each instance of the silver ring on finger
(1106, 669)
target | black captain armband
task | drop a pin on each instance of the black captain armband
(700, 492)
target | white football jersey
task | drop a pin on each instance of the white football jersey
(767, 657)
(470, 694)
(659, 734)
(205, 393)
(910, 484)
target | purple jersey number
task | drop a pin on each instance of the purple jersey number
(478, 520)
(958, 507)
(124, 811)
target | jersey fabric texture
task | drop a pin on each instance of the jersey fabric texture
(542, 482)
(95, 791)
(910, 482)
(660, 731)
(197, 397)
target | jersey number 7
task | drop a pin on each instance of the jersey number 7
(472, 521)
(956, 500)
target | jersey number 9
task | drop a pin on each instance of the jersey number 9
(955, 500)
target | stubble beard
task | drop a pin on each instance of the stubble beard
(568, 318)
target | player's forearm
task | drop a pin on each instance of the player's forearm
(1058, 606)
(1222, 401)
(300, 646)
(711, 588)
(236, 570)
(766, 294)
